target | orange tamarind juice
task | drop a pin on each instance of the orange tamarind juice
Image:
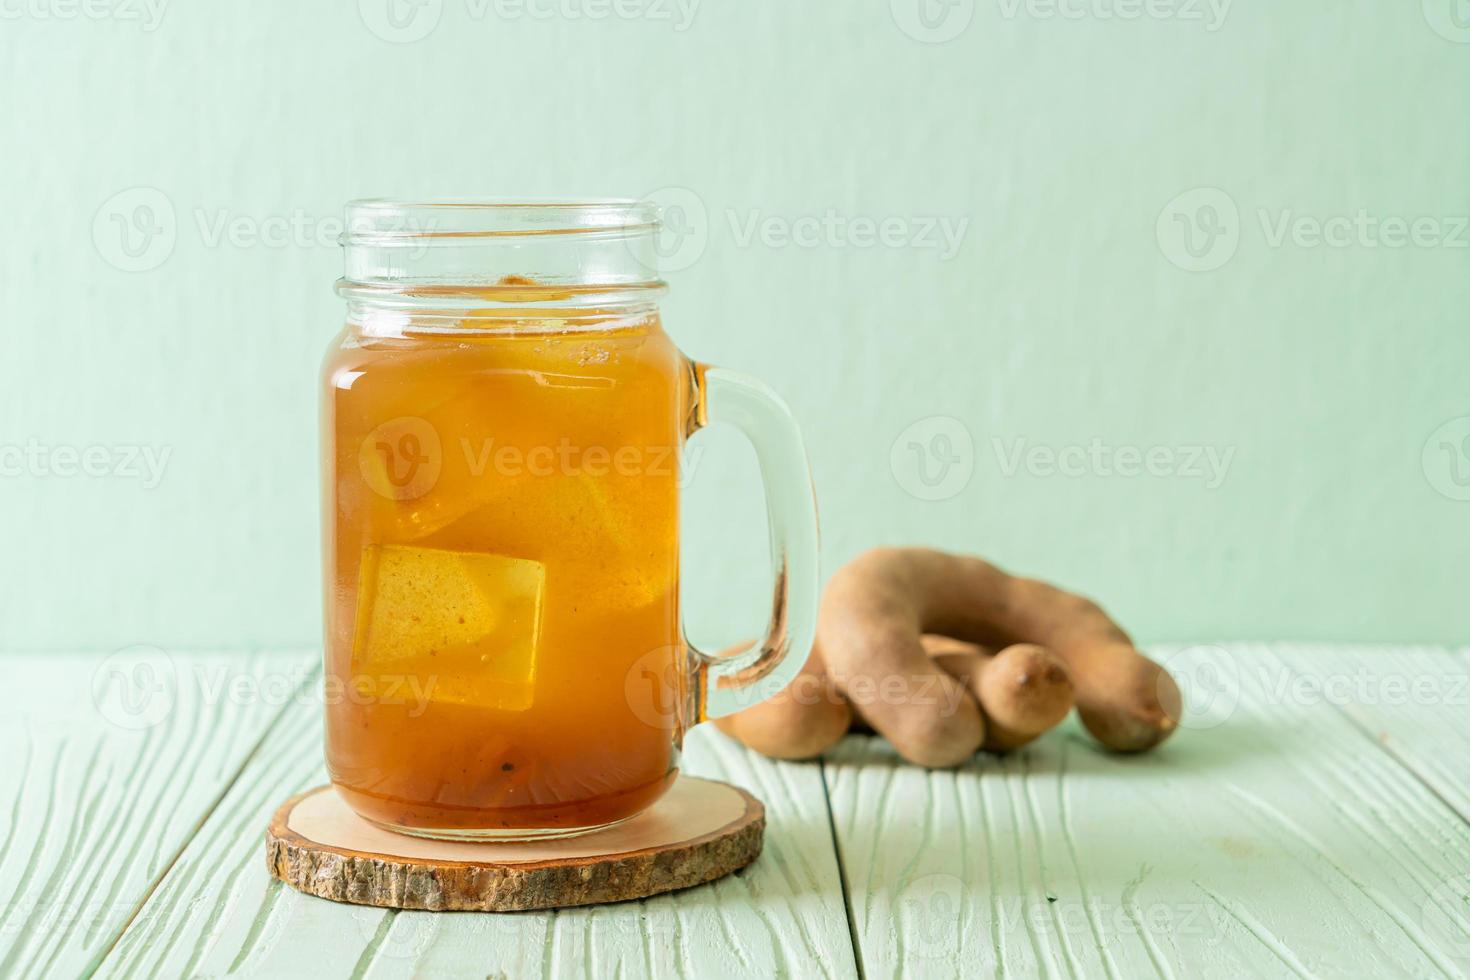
(502, 547)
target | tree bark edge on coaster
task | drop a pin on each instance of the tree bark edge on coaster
(699, 831)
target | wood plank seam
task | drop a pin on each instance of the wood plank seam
(309, 679)
(1337, 840)
(771, 922)
(121, 959)
(852, 934)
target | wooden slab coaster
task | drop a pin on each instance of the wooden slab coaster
(699, 831)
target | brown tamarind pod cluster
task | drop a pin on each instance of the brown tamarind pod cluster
(946, 654)
(1023, 691)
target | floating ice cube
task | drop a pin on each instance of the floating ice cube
(613, 541)
(464, 624)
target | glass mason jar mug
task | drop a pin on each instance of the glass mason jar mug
(503, 419)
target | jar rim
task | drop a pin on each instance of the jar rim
(388, 221)
(452, 257)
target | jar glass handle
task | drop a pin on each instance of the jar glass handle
(726, 684)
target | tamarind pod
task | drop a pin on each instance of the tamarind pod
(962, 654)
(869, 625)
(1125, 700)
(1023, 690)
(1132, 703)
(801, 721)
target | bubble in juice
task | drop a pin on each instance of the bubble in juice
(465, 625)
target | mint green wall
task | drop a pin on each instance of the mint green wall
(1064, 154)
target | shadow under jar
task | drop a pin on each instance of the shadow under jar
(503, 422)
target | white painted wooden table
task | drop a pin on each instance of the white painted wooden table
(1312, 821)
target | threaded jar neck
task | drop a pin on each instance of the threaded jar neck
(468, 260)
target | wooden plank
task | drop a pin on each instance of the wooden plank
(1414, 700)
(217, 913)
(1271, 838)
(113, 762)
(215, 904)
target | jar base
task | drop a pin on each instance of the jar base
(571, 819)
(502, 835)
